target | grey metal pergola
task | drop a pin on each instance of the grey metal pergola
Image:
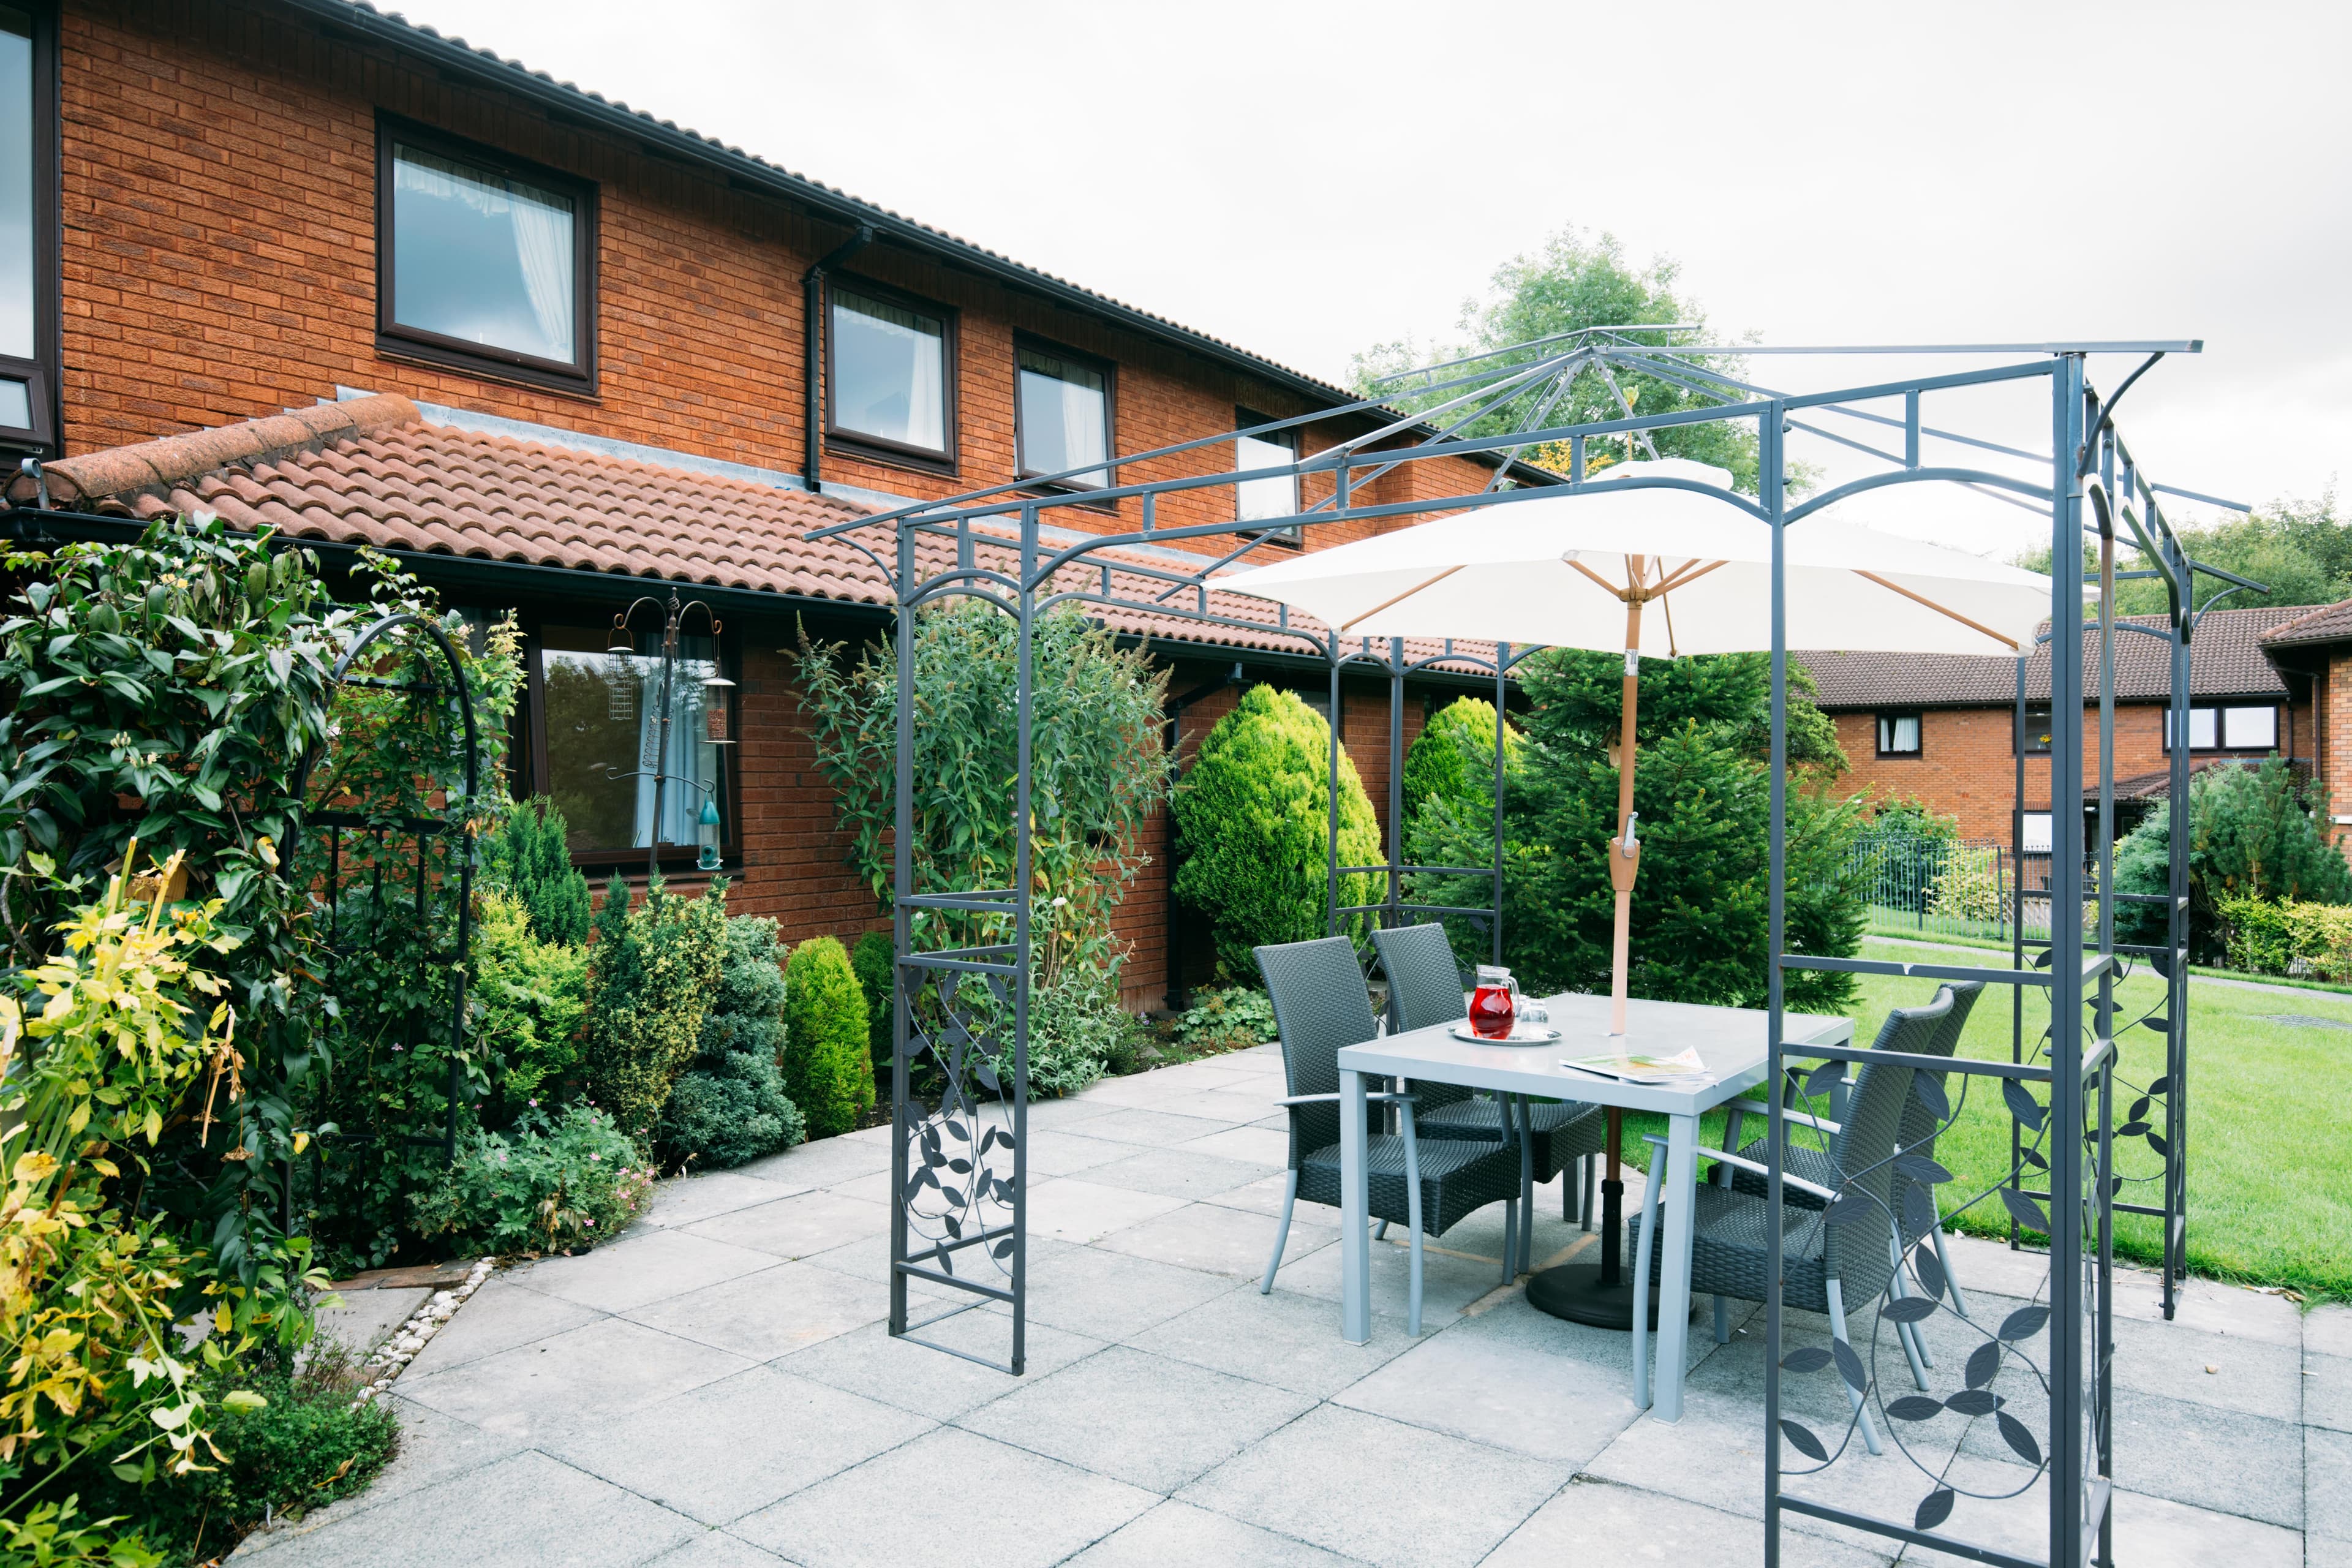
(960, 1155)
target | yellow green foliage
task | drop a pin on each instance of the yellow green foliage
(828, 1069)
(2288, 937)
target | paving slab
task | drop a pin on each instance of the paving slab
(1067, 1153)
(771, 1312)
(1142, 1419)
(1290, 1341)
(733, 1447)
(639, 1268)
(603, 1371)
(1177, 1532)
(797, 1226)
(1265, 1197)
(527, 1509)
(1051, 1115)
(1259, 1145)
(1090, 1290)
(951, 1497)
(1080, 1209)
(1599, 1521)
(2327, 1480)
(916, 1377)
(2328, 1331)
(821, 1164)
(1183, 1172)
(1218, 1241)
(502, 1314)
(2236, 1372)
(432, 1449)
(2007, 1506)
(682, 1200)
(1449, 1284)
(716, 1549)
(2327, 1391)
(1378, 1489)
(1151, 1129)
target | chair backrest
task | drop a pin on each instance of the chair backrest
(1321, 1004)
(1862, 1154)
(1425, 982)
(1919, 1123)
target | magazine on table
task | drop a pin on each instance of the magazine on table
(1643, 1067)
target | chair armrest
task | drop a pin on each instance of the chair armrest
(1799, 1183)
(1334, 1100)
(1803, 1118)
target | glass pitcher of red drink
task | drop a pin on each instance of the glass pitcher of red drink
(1494, 1006)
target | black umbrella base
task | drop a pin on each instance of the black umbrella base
(1574, 1291)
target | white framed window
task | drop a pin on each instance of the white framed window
(1898, 735)
(2034, 832)
(1062, 417)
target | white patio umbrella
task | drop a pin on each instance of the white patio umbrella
(1578, 569)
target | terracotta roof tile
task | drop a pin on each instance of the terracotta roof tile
(2225, 661)
(2330, 623)
(371, 471)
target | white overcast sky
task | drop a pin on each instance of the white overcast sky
(1307, 179)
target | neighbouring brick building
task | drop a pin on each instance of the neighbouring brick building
(2313, 653)
(302, 264)
(1942, 729)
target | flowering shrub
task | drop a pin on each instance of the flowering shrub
(546, 1186)
(1233, 1019)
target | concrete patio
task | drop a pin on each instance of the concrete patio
(715, 1390)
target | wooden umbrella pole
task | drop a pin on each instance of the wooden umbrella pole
(1624, 852)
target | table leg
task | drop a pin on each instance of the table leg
(1679, 1202)
(1354, 1249)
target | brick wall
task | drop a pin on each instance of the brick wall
(1966, 766)
(219, 264)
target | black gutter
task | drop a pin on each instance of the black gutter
(813, 348)
(572, 104)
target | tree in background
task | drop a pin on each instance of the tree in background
(533, 856)
(1253, 829)
(1454, 755)
(1699, 932)
(2299, 549)
(1577, 281)
(651, 972)
(828, 1068)
(2256, 832)
(729, 1106)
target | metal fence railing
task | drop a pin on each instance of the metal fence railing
(1915, 886)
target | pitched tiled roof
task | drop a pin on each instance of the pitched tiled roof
(2225, 661)
(373, 471)
(2332, 623)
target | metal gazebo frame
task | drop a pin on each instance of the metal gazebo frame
(951, 1192)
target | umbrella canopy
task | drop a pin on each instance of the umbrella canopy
(1556, 571)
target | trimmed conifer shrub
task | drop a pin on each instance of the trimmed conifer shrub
(651, 976)
(532, 852)
(731, 1105)
(877, 968)
(828, 1069)
(1252, 820)
(1454, 756)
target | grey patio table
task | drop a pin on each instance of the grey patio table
(1731, 1041)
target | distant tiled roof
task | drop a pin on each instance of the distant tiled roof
(2333, 623)
(371, 470)
(2225, 661)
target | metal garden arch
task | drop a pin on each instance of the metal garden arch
(960, 1164)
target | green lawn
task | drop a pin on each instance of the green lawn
(2270, 1147)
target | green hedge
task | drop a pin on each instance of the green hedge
(1454, 755)
(1252, 821)
(828, 1068)
(2288, 937)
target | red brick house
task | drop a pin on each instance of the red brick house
(1944, 728)
(308, 265)
(2313, 653)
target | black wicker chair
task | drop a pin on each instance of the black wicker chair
(1821, 1263)
(1320, 1005)
(1564, 1136)
(1920, 1216)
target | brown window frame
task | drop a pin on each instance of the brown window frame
(39, 374)
(1880, 721)
(1292, 534)
(529, 740)
(408, 343)
(857, 444)
(1029, 477)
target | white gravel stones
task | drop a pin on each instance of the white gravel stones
(410, 1337)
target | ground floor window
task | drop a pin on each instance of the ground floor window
(598, 734)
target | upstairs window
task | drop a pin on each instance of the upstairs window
(28, 244)
(1062, 416)
(2239, 727)
(2036, 738)
(484, 263)
(1262, 501)
(1898, 735)
(889, 379)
